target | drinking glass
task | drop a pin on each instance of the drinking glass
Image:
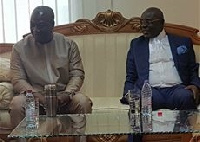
(134, 100)
(134, 112)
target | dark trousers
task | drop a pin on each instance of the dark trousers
(176, 97)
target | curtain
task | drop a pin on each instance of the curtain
(15, 14)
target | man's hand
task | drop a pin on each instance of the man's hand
(41, 97)
(63, 97)
(195, 91)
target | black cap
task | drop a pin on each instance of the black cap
(44, 11)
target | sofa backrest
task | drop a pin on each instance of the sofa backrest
(103, 43)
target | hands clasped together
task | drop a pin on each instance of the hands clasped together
(63, 97)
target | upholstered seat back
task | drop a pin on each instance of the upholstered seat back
(104, 59)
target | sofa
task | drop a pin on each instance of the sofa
(103, 43)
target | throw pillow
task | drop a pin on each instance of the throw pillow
(5, 70)
(6, 94)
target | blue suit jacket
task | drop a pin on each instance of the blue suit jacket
(137, 62)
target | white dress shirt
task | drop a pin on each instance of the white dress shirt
(162, 71)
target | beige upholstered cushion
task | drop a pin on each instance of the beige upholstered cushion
(6, 54)
(6, 94)
(104, 60)
(4, 69)
(5, 125)
(107, 103)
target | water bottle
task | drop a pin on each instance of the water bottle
(146, 107)
(30, 110)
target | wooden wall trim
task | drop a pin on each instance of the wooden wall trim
(5, 47)
(114, 22)
(185, 31)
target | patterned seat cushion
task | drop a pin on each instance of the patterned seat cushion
(5, 70)
(6, 94)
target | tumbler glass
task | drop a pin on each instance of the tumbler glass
(51, 100)
(134, 112)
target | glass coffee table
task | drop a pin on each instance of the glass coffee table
(109, 122)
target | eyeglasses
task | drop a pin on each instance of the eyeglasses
(149, 21)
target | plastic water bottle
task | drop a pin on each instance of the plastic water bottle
(30, 110)
(146, 107)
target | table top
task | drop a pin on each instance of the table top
(111, 121)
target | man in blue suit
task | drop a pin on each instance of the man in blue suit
(167, 61)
